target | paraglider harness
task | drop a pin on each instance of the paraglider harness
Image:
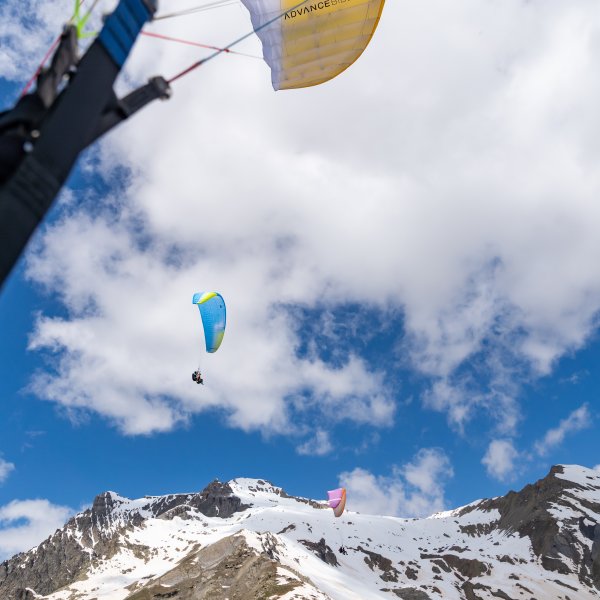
(72, 106)
(197, 377)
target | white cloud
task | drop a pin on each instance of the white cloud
(134, 338)
(26, 523)
(6, 468)
(463, 397)
(500, 459)
(27, 30)
(465, 196)
(319, 445)
(579, 419)
(415, 489)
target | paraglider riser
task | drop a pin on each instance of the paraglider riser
(75, 119)
(123, 26)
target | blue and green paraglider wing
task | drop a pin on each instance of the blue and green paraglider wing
(213, 314)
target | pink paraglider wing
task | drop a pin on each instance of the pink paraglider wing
(337, 500)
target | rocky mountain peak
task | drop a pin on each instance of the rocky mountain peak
(249, 485)
(253, 490)
(559, 514)
(103, 503)
(248, 539)
(217, 500)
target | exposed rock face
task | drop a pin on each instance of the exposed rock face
(322, 550)
(532, 513)
(468, 568)
(383, 564)
(249, 540)
(229, 564)
(95, 535)
(215, 500)
(57, 561)
(409, 594)
(412, 594)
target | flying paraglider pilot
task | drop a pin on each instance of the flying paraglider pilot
(197, 377)
(213, 316)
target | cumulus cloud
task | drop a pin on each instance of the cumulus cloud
(27, 29)
(500, 459)
(415, 489)
(464, 196)
(26, 523)
(319, 445)
(129, 356)
(6, 468)
(462, 399)
(579, 419)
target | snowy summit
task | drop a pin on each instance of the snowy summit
(248, 539)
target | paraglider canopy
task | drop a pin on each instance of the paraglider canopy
(314, 40)
(213, 314)
(337, 501)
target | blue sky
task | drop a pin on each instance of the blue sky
(408, 255)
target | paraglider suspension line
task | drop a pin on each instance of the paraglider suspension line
(80, 23)
(40, 66)
(234, 43)
(197, 9)
(198, 44)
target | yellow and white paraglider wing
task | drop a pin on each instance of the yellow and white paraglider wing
(314, 40)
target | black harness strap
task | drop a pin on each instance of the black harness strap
(67, 122)
(120, 109)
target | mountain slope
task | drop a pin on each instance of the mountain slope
(247, 539)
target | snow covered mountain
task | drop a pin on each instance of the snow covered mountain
(247, 539)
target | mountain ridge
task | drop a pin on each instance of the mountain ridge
(248, 538)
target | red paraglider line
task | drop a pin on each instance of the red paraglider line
(198, 44)
(195, 65)
(234, 43)
(46, 57)
(40, 66)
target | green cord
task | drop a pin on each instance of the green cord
(81, 21)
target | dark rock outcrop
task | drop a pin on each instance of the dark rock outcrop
(322, 550)
(388, 571)
(228, 567)
(467, 567)
(558, 517)
(58, 561)
(94, 534)
(217, 500)
(559, 549)
(408, 593)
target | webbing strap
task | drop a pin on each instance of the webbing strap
(123, 26)
(74, 119)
